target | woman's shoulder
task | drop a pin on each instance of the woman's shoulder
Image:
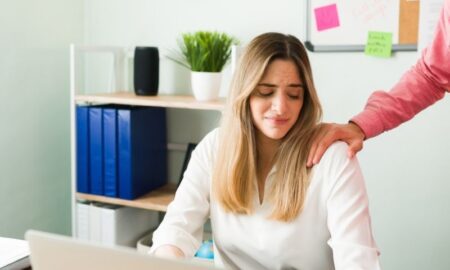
(336, 157)
(211, 138)
(336, 150)
(213, 134)
(208, 145)
(336, 167)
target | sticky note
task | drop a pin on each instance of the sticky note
(379, 44)
(326, 17)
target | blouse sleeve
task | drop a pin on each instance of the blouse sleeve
(348, 213)
(186, 214)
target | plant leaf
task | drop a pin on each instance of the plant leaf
(204, 51)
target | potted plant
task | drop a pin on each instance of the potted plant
(205, 54)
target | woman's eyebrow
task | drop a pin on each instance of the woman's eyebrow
(296, 85)
(267, 84)
(274, 85)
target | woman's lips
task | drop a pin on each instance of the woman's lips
(277, 120)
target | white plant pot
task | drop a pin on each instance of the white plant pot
(206, 85)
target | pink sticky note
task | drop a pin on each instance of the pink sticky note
(326, 17)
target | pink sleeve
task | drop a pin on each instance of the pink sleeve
(422, 85)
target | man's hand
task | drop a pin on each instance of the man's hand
(329, 133)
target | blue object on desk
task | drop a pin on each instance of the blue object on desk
(206, 250)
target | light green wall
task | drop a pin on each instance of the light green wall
(34, 113)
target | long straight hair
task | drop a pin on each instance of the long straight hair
(234, 176)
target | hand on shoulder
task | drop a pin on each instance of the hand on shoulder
(329, 133)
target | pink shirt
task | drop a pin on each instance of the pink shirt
(424, 84)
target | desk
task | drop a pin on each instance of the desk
(14, 254)
(22, 264)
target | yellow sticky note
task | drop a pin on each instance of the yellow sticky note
(379, 44)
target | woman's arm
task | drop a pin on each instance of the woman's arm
(180, 233)
(348, 212)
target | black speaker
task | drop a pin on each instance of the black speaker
(146, 71)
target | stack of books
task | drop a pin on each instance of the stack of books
(121, 150)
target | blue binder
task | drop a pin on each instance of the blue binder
(96, 149)
(110, 153)
(82, 141)
(142, 150)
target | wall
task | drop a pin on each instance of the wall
(406, 177)
(34, 113)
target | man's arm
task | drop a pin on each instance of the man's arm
(421, 86)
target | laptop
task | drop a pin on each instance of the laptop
(55, 252)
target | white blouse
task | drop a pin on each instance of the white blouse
(332, 232)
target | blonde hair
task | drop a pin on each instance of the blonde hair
(234, 176)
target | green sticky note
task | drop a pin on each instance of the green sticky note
(379, 44)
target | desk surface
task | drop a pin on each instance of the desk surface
(14, 254)
(22, 264)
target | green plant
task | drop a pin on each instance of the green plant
(204, 51)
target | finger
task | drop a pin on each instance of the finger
(312, 152)
(316, 142)
(322, 147)
(354, 148)
(351, 153)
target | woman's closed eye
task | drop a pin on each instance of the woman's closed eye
(264, 92)
(292, 92)
(295, 95)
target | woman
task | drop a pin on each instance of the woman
(267, 209)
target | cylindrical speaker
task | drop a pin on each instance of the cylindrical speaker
(146, 71)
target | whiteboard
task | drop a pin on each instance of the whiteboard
(356, 18)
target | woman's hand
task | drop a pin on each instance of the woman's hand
(329, 133)
(169, 251)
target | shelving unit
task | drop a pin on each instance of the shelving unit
(156, 200)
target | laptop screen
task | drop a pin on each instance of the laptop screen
(55, 252)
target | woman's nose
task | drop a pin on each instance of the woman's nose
(279, 104)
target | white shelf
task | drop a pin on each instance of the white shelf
(168, 101)
(157, 200)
